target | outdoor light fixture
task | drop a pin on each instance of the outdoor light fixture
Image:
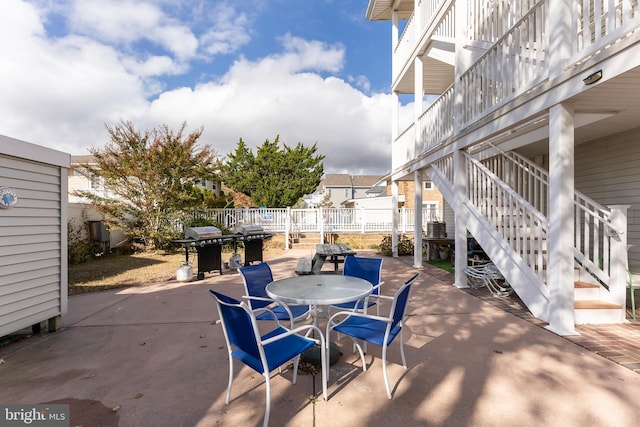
(592, 78)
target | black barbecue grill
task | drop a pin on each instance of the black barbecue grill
(208, 242)
(252, 236)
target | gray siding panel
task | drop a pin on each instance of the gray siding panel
(32, 244)
(608, 171)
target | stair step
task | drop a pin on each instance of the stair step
(597, 312)
(584, 285)
(595, 305)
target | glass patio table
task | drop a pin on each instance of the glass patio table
(319, 290)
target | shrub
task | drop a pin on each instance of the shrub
(405, 245)
(79, 246)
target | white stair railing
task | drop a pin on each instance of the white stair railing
(593, 226)
(521, 226)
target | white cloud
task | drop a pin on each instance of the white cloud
(311, 55)
(153, 66)
(229, 32)
(60, 92)
(259, 100)
(129, 21)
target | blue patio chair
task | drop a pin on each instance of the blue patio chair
(256, 278)
(376, 330)
(267, 352)
(369, 269)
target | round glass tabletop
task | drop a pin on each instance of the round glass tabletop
(320, 289)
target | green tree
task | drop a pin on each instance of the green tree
(149, 178)
(274, 177)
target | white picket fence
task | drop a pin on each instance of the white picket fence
(320, 220)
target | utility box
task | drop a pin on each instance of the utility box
(436, 230)
(99, 231)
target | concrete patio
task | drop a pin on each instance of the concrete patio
(154, 356)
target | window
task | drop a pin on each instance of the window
(431, 212)
(329, 192)
(428, 185)
(95, 182)
(346, 193)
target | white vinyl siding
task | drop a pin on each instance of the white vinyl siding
(608, 171)
(33, 264)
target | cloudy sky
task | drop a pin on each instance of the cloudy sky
(307, 70)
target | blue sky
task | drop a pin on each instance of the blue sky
(311, 71)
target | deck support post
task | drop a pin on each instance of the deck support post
(560, 277)
(395, 213)
(461, 218)
(417, 230)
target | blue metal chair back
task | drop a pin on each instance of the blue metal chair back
(256, 278)
(400, 301)
(238, 325)
(365, 268)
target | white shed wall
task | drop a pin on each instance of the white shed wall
(33, 235)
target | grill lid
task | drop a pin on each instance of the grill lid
(248, 230)
(202, 233)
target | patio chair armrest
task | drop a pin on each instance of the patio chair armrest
(374, 289)
(258, 298)
(387, 297)
(297, 331)
(276, 302)
(259, 311)
(331, 323)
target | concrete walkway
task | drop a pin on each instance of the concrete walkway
(154, 356)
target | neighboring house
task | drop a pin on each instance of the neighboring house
(380, 197)
(33, 236)
(336, 188)
(80, 179)
(526, 119)
(80, 209)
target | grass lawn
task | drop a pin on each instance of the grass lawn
(444, 264)
(118, 271)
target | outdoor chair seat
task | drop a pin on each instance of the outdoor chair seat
(377, 330)
(267, 352)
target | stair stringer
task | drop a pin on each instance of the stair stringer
(533, 293)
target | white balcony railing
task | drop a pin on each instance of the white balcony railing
(436, 123)
(490, 20)
(404, 147)
(514, 63)
(599, 22)
(406, 44)
(417, 24)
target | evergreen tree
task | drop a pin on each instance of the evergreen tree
(274, 177)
